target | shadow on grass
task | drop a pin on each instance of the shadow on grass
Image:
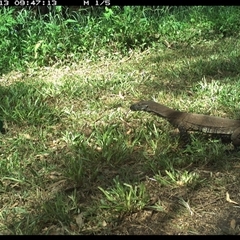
(23, 103)
(177, 69)
(57, 214)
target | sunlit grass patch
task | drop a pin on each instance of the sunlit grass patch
(124, 198)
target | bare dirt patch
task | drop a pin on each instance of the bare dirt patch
(209, 212)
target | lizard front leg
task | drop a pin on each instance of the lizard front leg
(235, 137)
(184, 136)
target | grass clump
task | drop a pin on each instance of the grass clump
(69, 36)
(124, 198)
(22, 103)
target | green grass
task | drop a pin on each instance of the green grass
(107, 32)
(74, 158)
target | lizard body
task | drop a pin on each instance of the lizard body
(193, 122)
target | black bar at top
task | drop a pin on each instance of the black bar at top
(98, 3)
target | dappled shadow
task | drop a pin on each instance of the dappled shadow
(208, 213)
(179, 67)
(206, 200)
(23, 104)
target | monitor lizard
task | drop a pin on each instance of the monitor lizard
(185, 121)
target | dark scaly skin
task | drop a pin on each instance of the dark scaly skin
(2, 129)
(193, 122)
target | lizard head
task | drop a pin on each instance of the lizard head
(140, 106)
(153, 107)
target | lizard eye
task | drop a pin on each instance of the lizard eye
(145, 107)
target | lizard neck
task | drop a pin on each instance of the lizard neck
(160, 110)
